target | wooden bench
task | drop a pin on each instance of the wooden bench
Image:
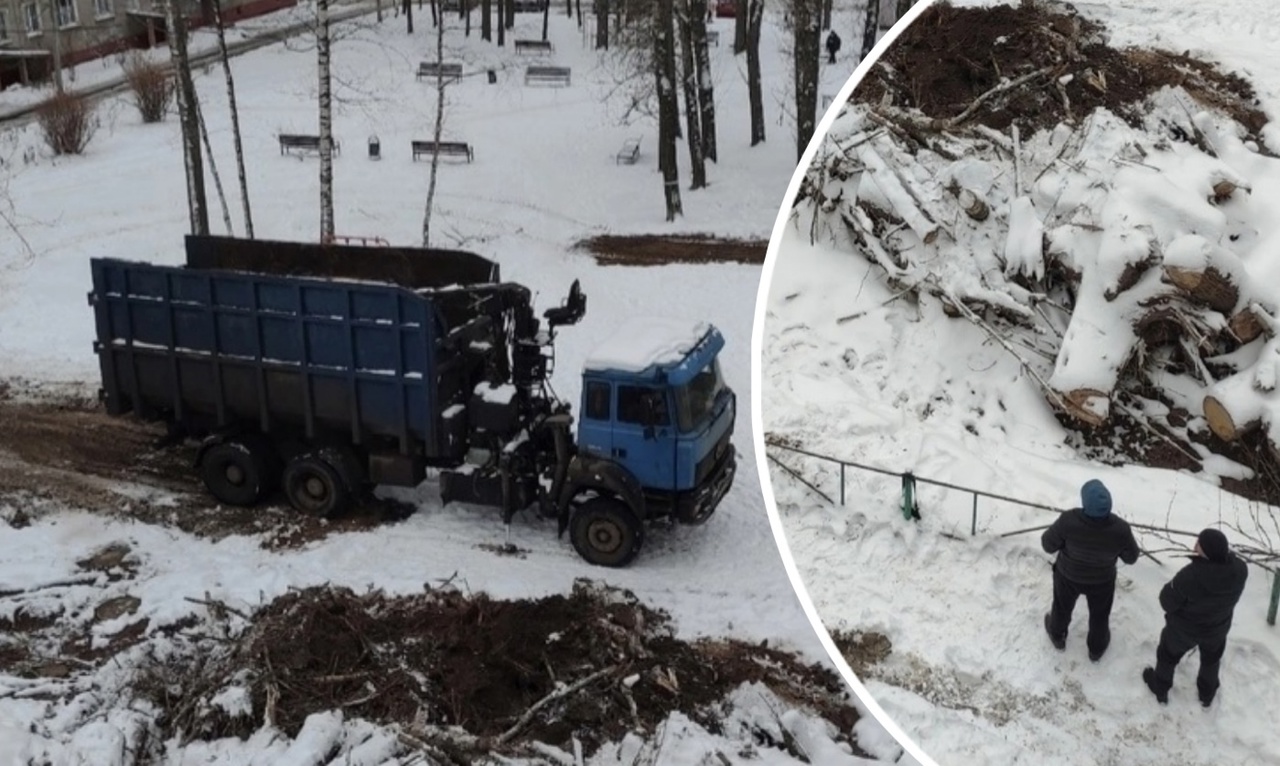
(451, 148)
(629, 153)
(534, 46)
(447, 71)
(713, 37)
(305, 143)
(557, 75)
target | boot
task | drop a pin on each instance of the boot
(1149, 676)
(1059, 642)
(1207, 693)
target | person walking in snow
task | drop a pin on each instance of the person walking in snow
(833, 46)
(1198, 606)
(1088, 541)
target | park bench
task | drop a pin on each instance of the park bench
(305, 143)
(451, 148)
(629, 153)
(713, 37)
(548, 74)
(432, 69)
(533, 46)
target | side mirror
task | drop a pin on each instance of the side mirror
(573, 309)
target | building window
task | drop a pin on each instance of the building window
(598, 395)
(66, 13)
(104, 8)
(637, 404)
(32, 12)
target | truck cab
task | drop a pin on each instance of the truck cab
(657, 416)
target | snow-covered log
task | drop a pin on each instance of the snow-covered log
(1207, 273)
(1024, 245)
(1234, 406)
(973, 205)
(1248, 325)
(900, 199)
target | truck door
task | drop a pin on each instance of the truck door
(595, 429)
(644, 435)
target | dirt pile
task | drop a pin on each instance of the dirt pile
(656, 250)
(591, 665)
(950, 57)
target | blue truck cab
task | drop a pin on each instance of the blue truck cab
(655, 406)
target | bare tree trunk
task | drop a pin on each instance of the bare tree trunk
(186, 96)
(502, 22)
(486, 22)
(602, 24)
(435, 155)
(808, 57)
(578, 4)
(568, 8)
(213, 169)
(741, 12)
(903, 7)
(437, 12)
(407, 7)
(664, 66)
(826, 14)
(511, 14)
(706, 92)
(378, 5)
(465, 15)
(755, 95)
(870, 27)
(57, 45)
(546, 18)
(326, 121)
(235, 116)
(692, 110)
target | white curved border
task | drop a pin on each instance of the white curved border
(757, 420)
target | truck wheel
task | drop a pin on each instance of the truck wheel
(315, 487)
(606, 533)
(235, 473)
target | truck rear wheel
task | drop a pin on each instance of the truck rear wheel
(236, 472)
(606, 533)
(315, 487)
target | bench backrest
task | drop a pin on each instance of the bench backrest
(428, 67)
(548, 71)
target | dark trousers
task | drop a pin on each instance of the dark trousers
(831, 56)
(1099, 598)
(1174, 644)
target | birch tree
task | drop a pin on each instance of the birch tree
(486, 22)
(602, 25)
(870, 27)
(664, 69)
(741, 19)
(187, 118)
(326, 121)
(807, 58)
(235, 114)
(692, 110)
(755, 96)
(435, 154)
(706, 91)
(213, 168)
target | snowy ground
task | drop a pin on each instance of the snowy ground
(543, 178)
(972, 678)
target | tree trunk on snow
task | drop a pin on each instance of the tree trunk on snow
(196, 201)
(755, 94)
(465, 15)
(664, 65)
(435, 155)
(1209, 287)
(501, 9)
(511, 14)
(326, 121)
(213, 169)
(706, 93)
(741, 25)
(1248, 325)
(826, 14)
(870, 27)
(602, 25)
(692, 110)
(486, 22)
(903, 7)
(808, 57)
(57, 46)
(546, 19)
(235, 115)
(407, 7)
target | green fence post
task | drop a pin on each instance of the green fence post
(1275, 598)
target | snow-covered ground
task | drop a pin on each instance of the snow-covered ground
(972, 677)
(543, 177)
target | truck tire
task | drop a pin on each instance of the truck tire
(315, 487)
(606, 533)
(236, 473)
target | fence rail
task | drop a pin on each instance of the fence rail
(910, 509)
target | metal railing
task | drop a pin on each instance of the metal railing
(910, 509)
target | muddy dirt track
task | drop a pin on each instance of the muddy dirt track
(70, 453)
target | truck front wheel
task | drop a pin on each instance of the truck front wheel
(315, 487)
(235, 473)
(606, 533)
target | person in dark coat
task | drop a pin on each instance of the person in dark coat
(833, 46)
(1088, 541)
(1198, 604)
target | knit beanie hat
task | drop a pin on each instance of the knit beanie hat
(1095, 499)
(1214, 545)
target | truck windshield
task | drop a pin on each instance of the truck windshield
(696, 399)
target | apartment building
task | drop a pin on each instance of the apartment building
(34, 34)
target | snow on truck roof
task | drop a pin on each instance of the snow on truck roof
(640, 343)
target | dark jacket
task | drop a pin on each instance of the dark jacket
(1200, 599)
(1087, 548)
(833, 42)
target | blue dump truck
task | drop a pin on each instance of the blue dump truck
(323, 370)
